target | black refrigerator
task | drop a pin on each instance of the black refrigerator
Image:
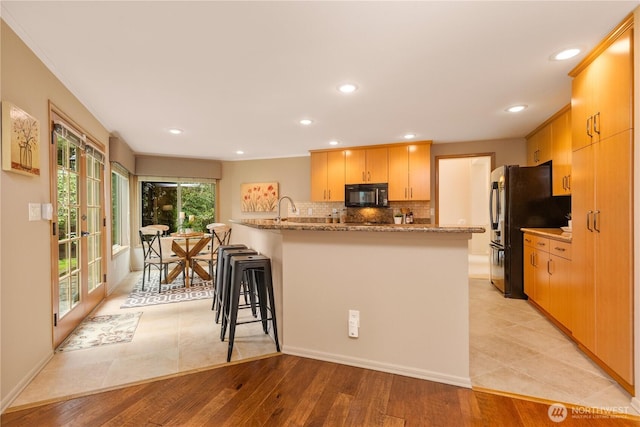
(520, 197)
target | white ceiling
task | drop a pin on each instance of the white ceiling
(240, 75)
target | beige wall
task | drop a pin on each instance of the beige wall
(25, 280)
(293, 174)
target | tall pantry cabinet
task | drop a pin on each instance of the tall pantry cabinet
(602, 204)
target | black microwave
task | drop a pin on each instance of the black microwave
(366, 195)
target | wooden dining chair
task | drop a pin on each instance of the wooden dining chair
(156, 252)
(220, 235)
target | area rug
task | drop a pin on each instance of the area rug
(102, 330)
(174, 292)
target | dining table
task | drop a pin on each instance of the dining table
(187, 245)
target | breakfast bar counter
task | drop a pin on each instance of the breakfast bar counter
(409, 284)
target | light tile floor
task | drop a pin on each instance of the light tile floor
(515, 349)
(170, 338)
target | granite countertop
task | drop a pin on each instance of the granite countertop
(551, 233)
(270, 224)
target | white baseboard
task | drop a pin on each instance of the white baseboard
(15, 392)
(382, 367)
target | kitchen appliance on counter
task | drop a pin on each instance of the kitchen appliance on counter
(366, 195)
(519, 197)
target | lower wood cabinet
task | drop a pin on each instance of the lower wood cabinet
(547, 277)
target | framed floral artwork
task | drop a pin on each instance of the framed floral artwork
(20, 141)
(259, 197)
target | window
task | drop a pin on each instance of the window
(119, 208)
(163, 200)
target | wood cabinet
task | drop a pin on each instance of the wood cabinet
(602, 98)
(602, 224)
(368, 165)
(539, 147)
(410, 172)
(327, 176)
(552, 141)
(547, 277)
(602, 204)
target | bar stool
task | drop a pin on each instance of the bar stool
(257, 268)
(224, 290)
(217, 283)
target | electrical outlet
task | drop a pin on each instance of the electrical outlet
(310, 211)
(354, 323)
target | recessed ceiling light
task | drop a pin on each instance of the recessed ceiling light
(306, 122)
(565, 54)
(334, 142)
(175, 131)
(516, 108)
(239, 152)
(409, 135)
(347, 88)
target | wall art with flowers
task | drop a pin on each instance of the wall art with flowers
(20, 141)
(259, 197)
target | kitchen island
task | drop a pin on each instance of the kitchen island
(408, 282)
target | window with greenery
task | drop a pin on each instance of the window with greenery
(162, 202)
(119, 207)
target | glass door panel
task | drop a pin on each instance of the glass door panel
(78, 199)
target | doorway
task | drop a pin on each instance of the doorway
(462, 188)
(78, 279)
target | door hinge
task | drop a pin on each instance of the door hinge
(54, 228)
(55, 319)
(104, 222)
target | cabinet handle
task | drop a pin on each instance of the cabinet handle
(559, 249)
(589, 221)
(549, 267)
(596, 123)
(363, 176)
(329, 195)
(527, 240)
(411, 193)
(589, 127)
(405, 192)
(369, 176)
(596, 217)
(569, 182)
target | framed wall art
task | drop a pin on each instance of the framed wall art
(20, 141)
(259, 197)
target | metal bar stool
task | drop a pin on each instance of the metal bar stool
(217, 282)
(225, 282)
(257, 268)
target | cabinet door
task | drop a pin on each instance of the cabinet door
(561, 154)
(614, 249)
(582, 107)
(613, 91)
(561, 299)
(420, 172)
(335, 176)
(583, 250)
(377, 160)
(529, 270)
(398, 172)
(319, 177)
(539, 147)
(355, 166)
(541, 280)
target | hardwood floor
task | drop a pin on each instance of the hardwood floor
(289, 390)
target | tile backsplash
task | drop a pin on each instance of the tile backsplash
(421, 211)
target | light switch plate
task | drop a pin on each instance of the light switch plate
(35, 213)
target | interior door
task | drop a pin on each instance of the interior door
(78, 284)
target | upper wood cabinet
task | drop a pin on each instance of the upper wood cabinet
(561, 153)
(409, 172)
(327, 176)
(552, 141)
(368, 165)
(539, 147)
(601, 99)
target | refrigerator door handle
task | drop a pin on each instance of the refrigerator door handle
(494, 196)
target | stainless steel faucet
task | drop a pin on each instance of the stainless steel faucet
(293, 207)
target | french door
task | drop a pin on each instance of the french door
(78, 232)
